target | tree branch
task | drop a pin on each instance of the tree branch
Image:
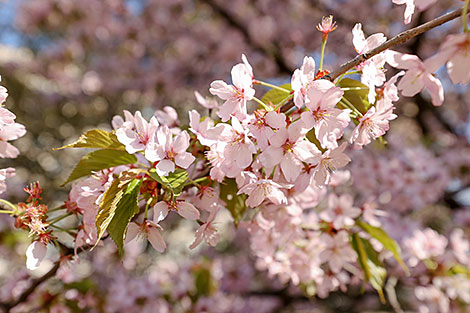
(7, 306)
(398, 39)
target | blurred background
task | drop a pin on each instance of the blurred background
(70, 66)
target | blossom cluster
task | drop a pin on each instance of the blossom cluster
(280, 171)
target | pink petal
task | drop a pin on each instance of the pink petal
(188, 211)
(35, 254)
(156, 240)
(160, 211)
(165, 167)
(132, 231)
(184, 159)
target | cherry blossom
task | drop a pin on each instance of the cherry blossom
(372, 69)
(341, 212)
(235, 95)
(207, 231)
(35, 254)
(424, 244)
(183, 208)
(136, 134)
(4, 174)
(289, 148)
(417, 76)
(147, 229)
(329, 122)
(455, 51)
(261, 189)
(331, 160)
(169, 151)
(338, 251)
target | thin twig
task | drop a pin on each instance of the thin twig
(398, 39)
(7, 306)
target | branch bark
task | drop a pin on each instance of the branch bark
(398, 39)
(7, 306)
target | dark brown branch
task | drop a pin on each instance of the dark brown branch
(35, 283)
(398, 39)
(273, 51)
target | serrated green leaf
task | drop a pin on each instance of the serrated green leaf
(174, 181)
(126, 208)
(275, 96)
(100, 160)
(96, 138)
(107, 207)
(234, 203)
(385, 240)
(374, 272)
(357, 94)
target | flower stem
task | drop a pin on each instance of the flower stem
(8, 203)
(322, 53)
(59, 218)
(262, 104)
(147, 207)
(283, 101)
(464, 16)
(259, 82)
(6, 211)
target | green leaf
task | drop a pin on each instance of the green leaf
(100, 160)
(174, 181)
(374, 272)
(313, 139)
(107, 207)
(358, 97)
(275, 96)
(385, 240)
(126, 208)
(96, 138)
(459, 269)
(234, 203)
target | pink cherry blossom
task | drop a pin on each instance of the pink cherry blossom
(235, 95)
(302, 79)
(331, 160)
(372, 69)
(136, 134)
(9, 130)
(149, 230)
(263, 125)
(329, 122)
(424, 244)
(209, 103)
(410, 7)
(341, 211)
(455, 51)
(167, 116)
(4, 174)
(35, 254)
(261, 189)
(239, 149)
(169, 151)
(201, 128)
(183, 208)
(207, 231)
(417, 76)
(338, 251)
(3, 94)
(289, 148)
